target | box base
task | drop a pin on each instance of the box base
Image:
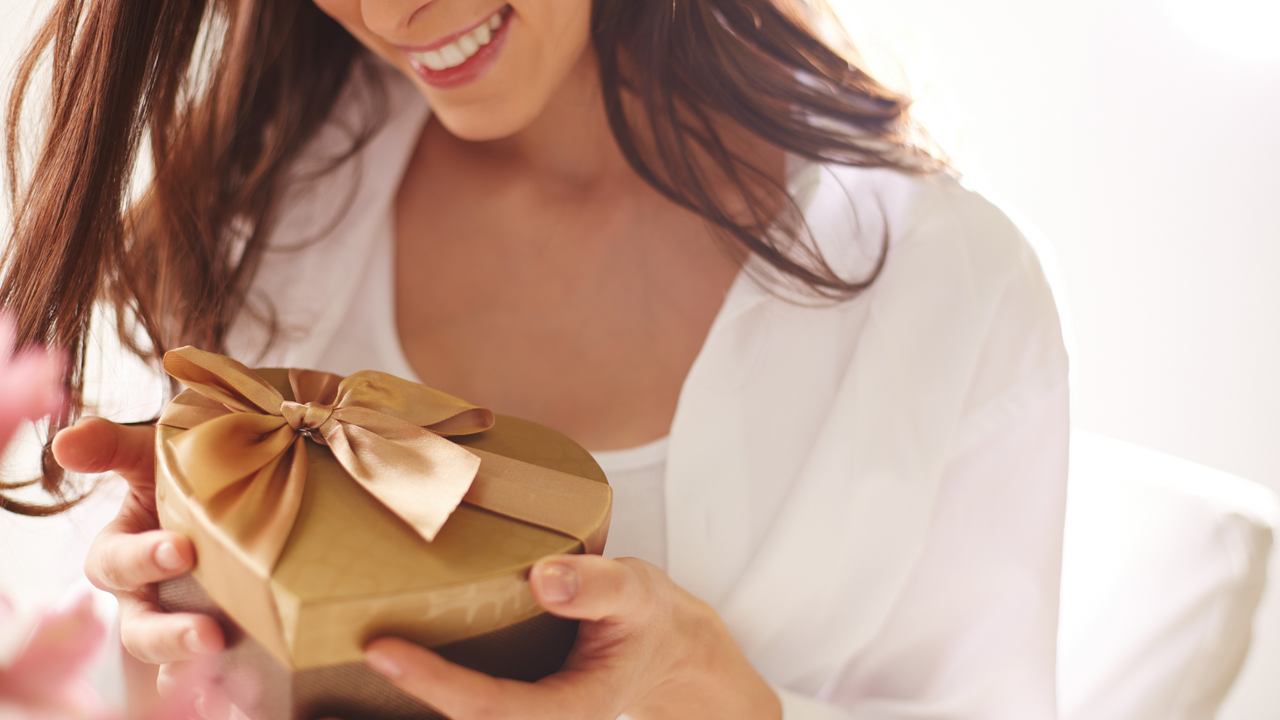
(266, 690)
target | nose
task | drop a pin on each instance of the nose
(391, 18)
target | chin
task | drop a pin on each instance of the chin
(483, 121)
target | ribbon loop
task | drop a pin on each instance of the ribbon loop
(223, 380)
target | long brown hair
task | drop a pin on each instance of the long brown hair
(227, 93)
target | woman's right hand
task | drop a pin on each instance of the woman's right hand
(132, 553)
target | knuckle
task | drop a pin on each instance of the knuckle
(168, 679)
(93, 571)
(98, 446)
(636, 585)
(704, 617)
(699, 624)
(115, 572)
(117, 560)
(133, 643)
(610, 576)
(136, 516)
(151, 641)
(109, 448)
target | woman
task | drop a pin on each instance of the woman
(827, 382)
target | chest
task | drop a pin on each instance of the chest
(581, 306)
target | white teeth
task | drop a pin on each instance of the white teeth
(431, 59)
(457, 52)
(452, 55)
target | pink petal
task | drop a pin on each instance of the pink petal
(62, 643)
(30, 383)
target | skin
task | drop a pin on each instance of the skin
(560, 255)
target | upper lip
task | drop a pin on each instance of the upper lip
(448, 38)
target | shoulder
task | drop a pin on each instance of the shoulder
(963, 300)
(924, 219)
(947, 248)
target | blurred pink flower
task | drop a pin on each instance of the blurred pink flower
(45, 679)
(30, 382)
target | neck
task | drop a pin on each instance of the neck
(570, 141)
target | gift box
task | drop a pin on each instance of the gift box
(328, 511)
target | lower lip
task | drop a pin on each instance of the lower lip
(473, 68)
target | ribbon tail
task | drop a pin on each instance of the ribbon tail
(567, 504)
(418, 475)
(258, 512)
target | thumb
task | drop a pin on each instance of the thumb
(590, 587)
(95, 445)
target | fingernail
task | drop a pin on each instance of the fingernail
(559, 582)
(382, 663)
(191, 639)
(168, 557)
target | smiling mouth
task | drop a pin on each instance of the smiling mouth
(458, 48)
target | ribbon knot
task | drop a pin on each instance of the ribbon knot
(307, 418)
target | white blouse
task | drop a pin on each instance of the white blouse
(870, 493)
(638, 478)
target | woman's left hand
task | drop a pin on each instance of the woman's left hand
(645, 647)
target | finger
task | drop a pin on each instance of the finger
(464, 694)
(125, 558)
(193, 689)
(95, 445)
(590, 587)
(157, 637)
(212, 703)
(172, 681)
(182, 688)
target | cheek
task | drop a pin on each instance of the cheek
(557, 31)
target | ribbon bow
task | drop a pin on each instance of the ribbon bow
(246, 442)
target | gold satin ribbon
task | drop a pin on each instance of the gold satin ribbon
(244, 455)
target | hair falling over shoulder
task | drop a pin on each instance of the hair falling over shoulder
(224, 94)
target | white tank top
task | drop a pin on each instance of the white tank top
(368, 340)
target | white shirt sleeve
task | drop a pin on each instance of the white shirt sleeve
(973, 634)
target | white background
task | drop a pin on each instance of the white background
(1142, 138)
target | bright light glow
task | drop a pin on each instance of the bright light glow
(1247, 29)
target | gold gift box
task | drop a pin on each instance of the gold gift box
(352, 570)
